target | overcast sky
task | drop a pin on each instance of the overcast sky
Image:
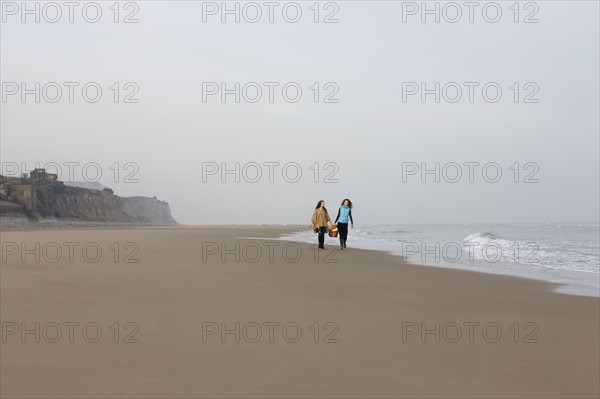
(360, 144)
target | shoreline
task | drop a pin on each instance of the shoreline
(556, 278)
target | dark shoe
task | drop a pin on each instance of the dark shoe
(321, 246)
(344, 243)
(341, 243)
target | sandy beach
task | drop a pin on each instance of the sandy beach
(193, 312)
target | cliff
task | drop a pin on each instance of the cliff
(63, 201)
(57, 200)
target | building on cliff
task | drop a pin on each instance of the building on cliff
(23, 191)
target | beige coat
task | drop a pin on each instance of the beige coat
(320, 218)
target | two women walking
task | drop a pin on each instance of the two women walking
(320, 221)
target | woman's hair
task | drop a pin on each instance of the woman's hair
(319, 205)
(349, 202)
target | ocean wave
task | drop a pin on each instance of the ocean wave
(562, 255)
(480, 236)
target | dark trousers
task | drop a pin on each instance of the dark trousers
(343, 229)
(322, 231)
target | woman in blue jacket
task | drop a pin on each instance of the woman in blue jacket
(344, 213)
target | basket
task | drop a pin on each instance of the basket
(333, 231)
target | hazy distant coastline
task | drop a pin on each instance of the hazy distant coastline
(40, 198)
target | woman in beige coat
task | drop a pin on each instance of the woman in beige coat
(320, 222)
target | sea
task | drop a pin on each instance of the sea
(567, 254)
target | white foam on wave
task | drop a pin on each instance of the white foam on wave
(559, 256)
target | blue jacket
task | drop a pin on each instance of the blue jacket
(343, 214)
